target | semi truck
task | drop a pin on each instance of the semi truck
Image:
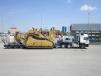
(35, 39)
(79, 40)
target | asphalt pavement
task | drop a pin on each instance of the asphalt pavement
(51, 62)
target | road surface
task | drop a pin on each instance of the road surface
(50, 62)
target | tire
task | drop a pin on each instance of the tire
(69, 46)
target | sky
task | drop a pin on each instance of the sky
(25, 14)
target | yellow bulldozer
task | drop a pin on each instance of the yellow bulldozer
(35, 38)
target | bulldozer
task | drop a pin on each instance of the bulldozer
(35, 38)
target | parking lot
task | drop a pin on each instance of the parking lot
(51, 62)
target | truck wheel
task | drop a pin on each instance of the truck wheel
(62, 46)
(69, 46)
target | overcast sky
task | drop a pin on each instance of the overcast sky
(25, 14)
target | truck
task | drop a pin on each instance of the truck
(79, 40)
(36, 39)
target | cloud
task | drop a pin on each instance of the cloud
(68, 1)
(87, 8)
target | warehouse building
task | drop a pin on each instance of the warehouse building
(93, 30)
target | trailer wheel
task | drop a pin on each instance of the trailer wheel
(7, 47)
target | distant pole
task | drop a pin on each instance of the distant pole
(88, 17)
(88, 11)
(2, 24)
(41, 21)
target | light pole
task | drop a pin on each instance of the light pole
(88, 17)
(2, 24)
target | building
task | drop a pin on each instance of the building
(12, 30)
(64, 29)
(93, 30)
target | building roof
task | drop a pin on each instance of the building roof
(85, 27)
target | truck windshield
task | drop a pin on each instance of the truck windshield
(67, 39)
(85, 38)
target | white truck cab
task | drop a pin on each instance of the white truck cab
(83, 40)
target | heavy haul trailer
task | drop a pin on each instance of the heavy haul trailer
(79, 40)
(32, 39)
